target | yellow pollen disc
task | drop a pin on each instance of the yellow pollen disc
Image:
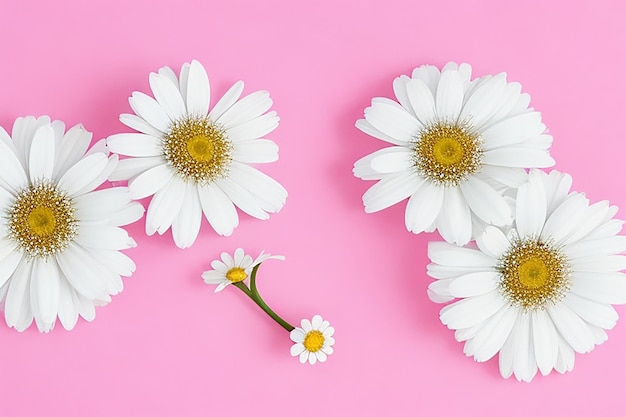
(447, 153)
(198, 149)
(236, 274)
(201, 148)
(534, 274)
(313, 341)
(41, 220)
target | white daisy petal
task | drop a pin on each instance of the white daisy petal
(474, 284)
(518, 157)
(454, 222)
(17, 310)
(148, 109)
(184, 80)
(399, 90)
(486, 202)
(227, 101)
(218, 209)
(139, 124)
(255, 128)
(135, 144)
(470, 311)
(513, 131)
(572, 328)
(531, 207)
(13, 176)
(598, 314)
(150, 181)
(165, 206)
(423, 207)
(393, 121)
(44, 289)
(82, 173)
(42, 152)
(129, 168)
(422, 101)
(256, 151)
(168, 96)
(391, 190)
(297, 349)
(367, 127)
(248, 108)
(395, 160)
(545, 341)
(186, 225)
(493, 242)
(198, 90)
(449, 97)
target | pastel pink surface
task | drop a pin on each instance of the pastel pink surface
(167, 345)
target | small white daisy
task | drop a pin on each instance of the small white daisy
(194, 160)
(59, 252)
(454, 141)
(232, 269)
(313, 341)
(539, 291)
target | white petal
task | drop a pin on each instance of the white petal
(449, 96)
(393, 121)
(493, 242)
(596, 247)
(572, 328)
(68, 314)
(454, 222)
(605, 288)
(248, 108)
(565, 219)
(135, 144)
(423, 207)
(131, 167)
(524, 364)
(165, 206)
(486, 202)
(139, 124)
(184, 80)
(470, 311)
(79, 176)
(399, 89)
(218, 209)
(484, 101)
(255, 128)
(256, 151)
(365, 126)
(168, 96)
(17, 303)
(150, 181)
(400, 159)
(74, 263)
(227, 101)
(546, 343)
(149, 110)
(511, 177)
(267, 191)
(44, 289)
(422, 101)
(11, 171)
(186, 225)
(42, 153)
(513, 131)
(474, 284)
(198, 90)
(443, 253)
(391, 190)
(100, 236)
(297, 349)
(531, 207)
(488, 342)
(598, 314)
(518, 157)
(363, 167)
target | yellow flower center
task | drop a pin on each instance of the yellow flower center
(41, 220)
(236, 274)
(534, 274)
(313, 341)
(447, 153)
(198, 149)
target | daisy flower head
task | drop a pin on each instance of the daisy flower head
(61, 237)
(454, 140)
(195, 160)
(313, 341)
(233, 269)
(539, 291)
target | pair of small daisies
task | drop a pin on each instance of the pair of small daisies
(533, 267)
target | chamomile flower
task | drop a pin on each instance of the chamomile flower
(454, 140)
(235, 268)
(193, 160)
(539, 291)
(313, 341)
(61, 238)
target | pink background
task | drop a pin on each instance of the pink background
(169, 346)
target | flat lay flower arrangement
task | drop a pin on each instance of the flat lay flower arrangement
(529, 269)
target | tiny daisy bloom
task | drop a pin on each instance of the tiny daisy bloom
(59, 252)
(539, 291)
(453, 139)
(232, 269)
(313, 341)
(194, 161)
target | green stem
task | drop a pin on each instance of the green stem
(254, 295)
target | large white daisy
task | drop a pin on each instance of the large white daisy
(194, 160)
(539, 291)
(59, 252)
(454, 141)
